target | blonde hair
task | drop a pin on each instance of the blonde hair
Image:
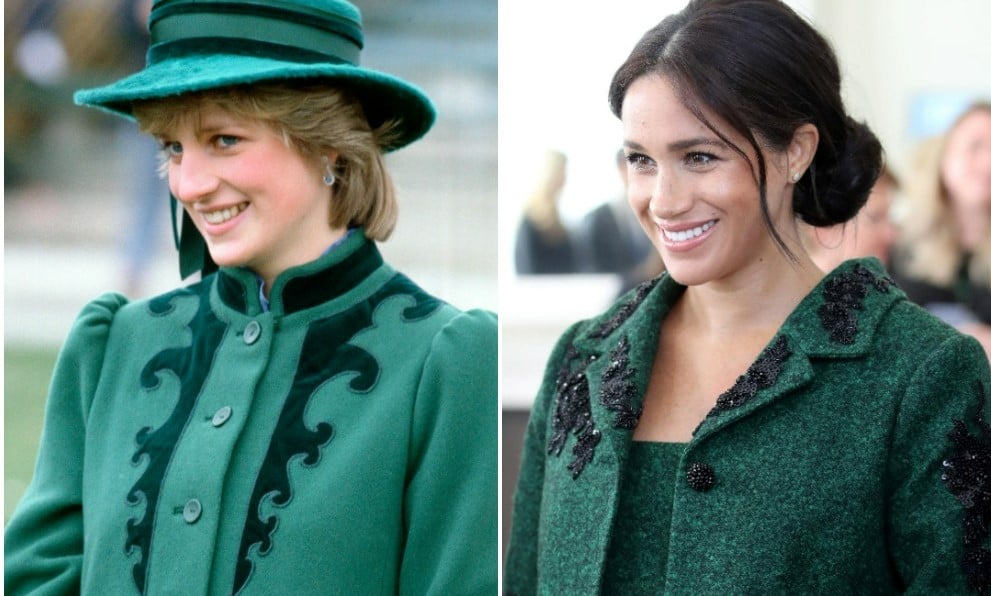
(929, 239)
(312, 118)
(541, 205)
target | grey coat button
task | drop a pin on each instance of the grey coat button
(221, 416)
(192, 511)
(252, 332)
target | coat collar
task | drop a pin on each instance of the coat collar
(332, 275)
(837, 319)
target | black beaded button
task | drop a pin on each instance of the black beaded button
(701, 476)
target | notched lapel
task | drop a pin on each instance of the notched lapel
(604, 373)
(836, 320)
(624, 343)
(781, 368)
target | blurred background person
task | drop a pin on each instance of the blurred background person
(544, 244)
(611, 240)
(943, 257)
(142, 236)
(870, 234)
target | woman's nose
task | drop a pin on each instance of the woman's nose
(666, 201)
(192, 180)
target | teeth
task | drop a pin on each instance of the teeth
(688, 234)
(219, 217)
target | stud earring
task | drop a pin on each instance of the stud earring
(328, 178)
(796, 176)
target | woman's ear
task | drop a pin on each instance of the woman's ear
(802, 150)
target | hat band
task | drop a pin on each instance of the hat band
(266, 32)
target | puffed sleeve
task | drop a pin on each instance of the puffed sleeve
(44, 540)
(451, 507)
(940, 474)
(521, 558)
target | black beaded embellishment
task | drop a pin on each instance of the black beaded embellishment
(607, 327)
(967, 474)
(845, 295)
(573, 406)
(761, 375)
(701, 477)
(618, 390)
(573, 414)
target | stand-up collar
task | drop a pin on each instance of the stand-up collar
(298, 288)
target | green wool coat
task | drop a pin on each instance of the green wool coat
(853, 456)
(345, 442)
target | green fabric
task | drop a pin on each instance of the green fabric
(257, 28)
(359, 457)
(206, 45)
(638, 551)
(826, 482)
(194, 256)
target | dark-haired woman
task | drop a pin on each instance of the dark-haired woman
(745, 423)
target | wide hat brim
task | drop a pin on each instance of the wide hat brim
(384, 97)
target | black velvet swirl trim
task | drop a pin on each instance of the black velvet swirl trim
(845, 295)
(618, 390)
(967, 475)
(761, 375)
(155, 446)
(326, 354)
(573, 413)
(607, 327)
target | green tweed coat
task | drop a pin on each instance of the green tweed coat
(853, 457)
(344, 442)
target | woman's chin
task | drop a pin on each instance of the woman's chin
(227, 259)
(688, 274)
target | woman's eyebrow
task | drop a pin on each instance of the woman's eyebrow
(681, 145)
(687, 143)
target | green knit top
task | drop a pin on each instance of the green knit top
(638, 552)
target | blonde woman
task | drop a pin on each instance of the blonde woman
(305, 419)
(544, 244)
(943, 258)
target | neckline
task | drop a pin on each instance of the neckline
(661, 444)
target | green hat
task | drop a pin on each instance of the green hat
(205, 44)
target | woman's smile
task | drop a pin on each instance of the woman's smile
(684, 237)
(223, 215)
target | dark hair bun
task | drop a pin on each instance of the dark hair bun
(840, 179)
